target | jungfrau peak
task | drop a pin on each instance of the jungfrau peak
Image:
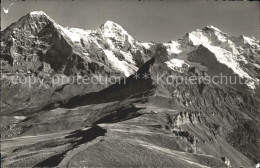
(227, 50)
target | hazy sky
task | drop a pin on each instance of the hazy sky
(145, 20)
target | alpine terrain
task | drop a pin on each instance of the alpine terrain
(150, 114)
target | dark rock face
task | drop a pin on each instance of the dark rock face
(21, 44)
(150, 118)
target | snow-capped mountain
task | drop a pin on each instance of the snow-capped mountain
(108, 47)
(113, 48)
(150, 123)
(37, 45)
(236, 55)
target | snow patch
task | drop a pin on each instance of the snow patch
(118, 65)
(147, 46)
(197, 38)
(220, 36)
(72, 35)
(173, 47)
(176, 64)
(75, 34)
(37, 13)
(20, 117)
(249, 41)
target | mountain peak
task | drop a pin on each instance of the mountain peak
(211, 28)
(37, 13)
(208, 35)
(113, 26)
(248, 40)
(110, 23)
(26, 21)
(40, 14)
(113, 30)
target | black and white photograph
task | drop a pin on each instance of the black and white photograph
(130, 84)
